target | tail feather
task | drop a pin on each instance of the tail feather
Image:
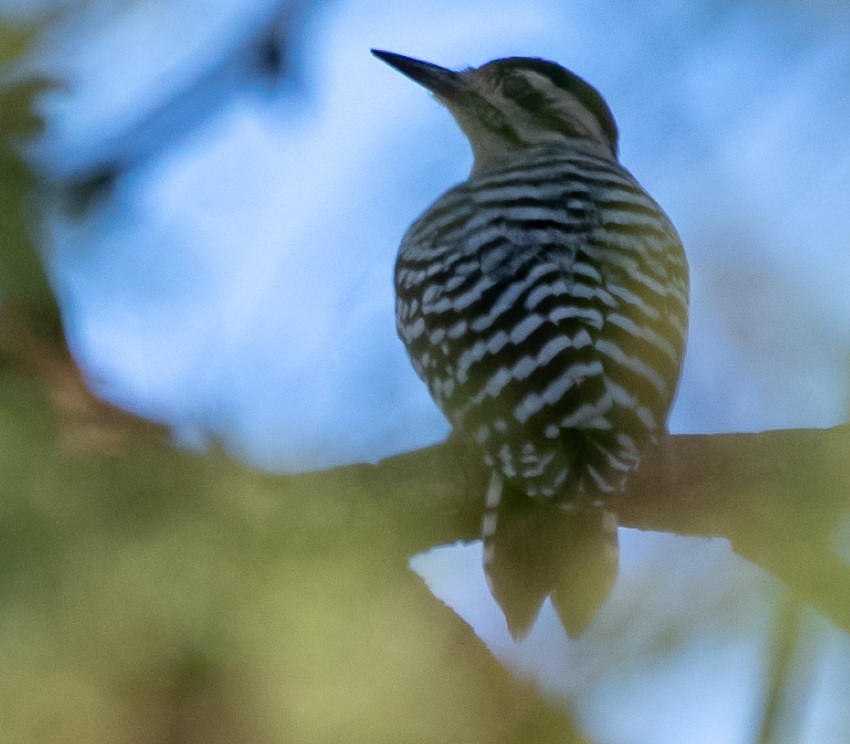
(534, 549)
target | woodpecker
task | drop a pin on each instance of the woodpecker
(544, 300)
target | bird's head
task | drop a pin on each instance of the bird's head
(514, 103)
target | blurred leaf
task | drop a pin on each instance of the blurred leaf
(158, 596)
(14, 41)
(22, 276)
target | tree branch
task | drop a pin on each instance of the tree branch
(777, 496)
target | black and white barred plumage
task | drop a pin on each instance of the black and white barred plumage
(544, 300)
(543, 304)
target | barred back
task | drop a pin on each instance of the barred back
(545, 305)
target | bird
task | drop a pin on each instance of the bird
(544, 302)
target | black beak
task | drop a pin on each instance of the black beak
(440, 81)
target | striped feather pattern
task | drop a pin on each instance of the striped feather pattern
(545, 305)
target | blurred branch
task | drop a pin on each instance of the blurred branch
(86, 422)
(776, 496)
(32, 340)
(256, 52)
(786, 642)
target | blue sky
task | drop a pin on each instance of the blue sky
(237, 284)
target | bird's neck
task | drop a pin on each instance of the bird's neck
(490, 156)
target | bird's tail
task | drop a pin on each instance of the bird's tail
(534, 549)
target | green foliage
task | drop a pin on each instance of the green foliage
(157, 596)
(14, 42)
(22, 277)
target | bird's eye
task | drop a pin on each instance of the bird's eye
(524, 93)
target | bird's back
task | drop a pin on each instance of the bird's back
(545, 305)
